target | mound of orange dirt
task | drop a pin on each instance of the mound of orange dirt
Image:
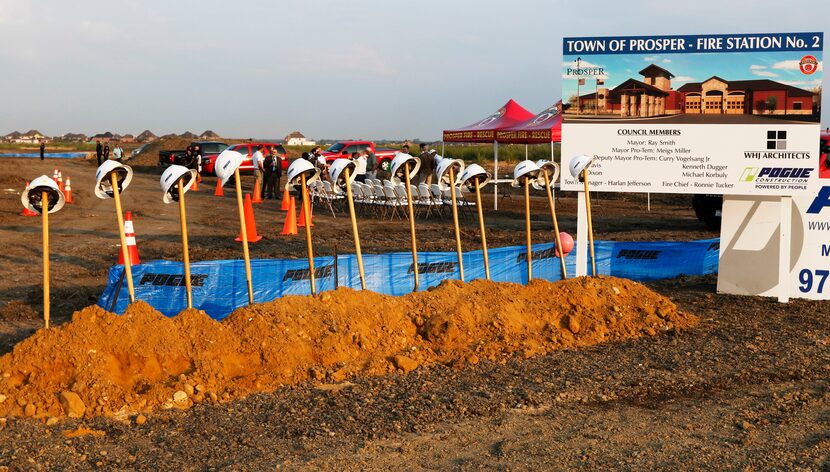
(104, 364)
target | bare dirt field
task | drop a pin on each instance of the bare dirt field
(745, 389)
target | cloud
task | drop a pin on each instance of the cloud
(651, 58)
(803, 83)
(666, 61)
(792, 65)
(756, 67)
(761, 71)
(582, 64)
(587, 78)
(683, 79)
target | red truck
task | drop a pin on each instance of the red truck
(247, 150)
(346, 148)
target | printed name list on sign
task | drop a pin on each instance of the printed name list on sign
(734, 114)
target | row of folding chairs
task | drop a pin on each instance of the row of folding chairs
(382, 198)
(388, 199)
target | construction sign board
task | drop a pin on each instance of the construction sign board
(732, 114)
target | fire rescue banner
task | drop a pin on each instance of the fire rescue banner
(219, 287)
(732, 114)
(750, 236)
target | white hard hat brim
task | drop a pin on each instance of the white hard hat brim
(32, 195)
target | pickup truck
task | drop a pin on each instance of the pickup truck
(247, 150)
(209, 150)
(346, 148)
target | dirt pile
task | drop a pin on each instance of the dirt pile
(101, 363)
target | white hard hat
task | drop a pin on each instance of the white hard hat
(32, 195)
(443, 174)
(103, 181)
(524, 169)
(468, 177)
(337, 168)
(226, 164)
(398, 166)
(578, 164)
(301, 167)
(546, 167)
(171, 177)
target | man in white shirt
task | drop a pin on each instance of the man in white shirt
(257, 159)
(117, 152)
(360, 168)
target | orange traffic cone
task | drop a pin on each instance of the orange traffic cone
(286, 201)
(195, 186)
(55, 174)
(250, 224)
(26, 211)
(301, 224)
(60, 181)
(257, 193)
(220, 192)
(67, 191)
(129, 232)
(290, 226)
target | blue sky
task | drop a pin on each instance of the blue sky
(362, 68)
(696, 67)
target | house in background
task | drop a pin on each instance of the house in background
(104, 137)
(32, 136)
(654, 96)
(209, 136)
(297, 139)
(74, 137)
(146, 136)
(11, 137)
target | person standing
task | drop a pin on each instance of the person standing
(319, 161)
(277, 172)
(269, 177)
(106, 151)
(360, 168)
(117, 152)
(257, 160)
(197, 156)
(99, 151)
(371, 163)
(42, 149)
(427, 165)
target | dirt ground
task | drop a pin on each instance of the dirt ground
(747, 389)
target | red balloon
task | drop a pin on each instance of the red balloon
(567, 243)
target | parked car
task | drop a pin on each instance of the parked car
(135, 152)
(247, 150)
(346, 148)
(209, 150)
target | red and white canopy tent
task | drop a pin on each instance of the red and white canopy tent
(484, 131)
(546, 127)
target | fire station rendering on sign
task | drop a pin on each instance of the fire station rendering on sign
(653, 96)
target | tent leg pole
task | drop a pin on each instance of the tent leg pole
(496, 175)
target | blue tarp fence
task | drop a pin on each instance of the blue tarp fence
(50, 155)
(219, 287)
